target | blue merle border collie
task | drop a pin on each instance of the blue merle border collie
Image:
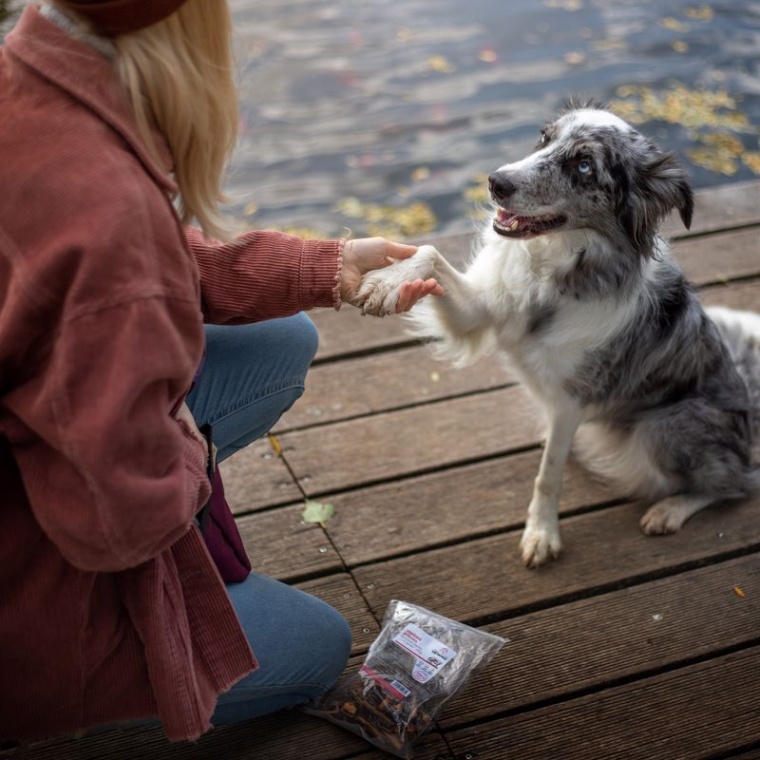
(573, 285)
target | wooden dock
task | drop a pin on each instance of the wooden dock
(628, 647)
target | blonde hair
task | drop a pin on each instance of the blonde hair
(179, 78)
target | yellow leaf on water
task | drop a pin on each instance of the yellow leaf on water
(674, 24)
(440, 64)
(702, 13)
(751, 160)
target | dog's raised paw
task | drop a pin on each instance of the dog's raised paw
(539, 545)
(379, 289)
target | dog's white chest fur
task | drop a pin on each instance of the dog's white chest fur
(516, 283)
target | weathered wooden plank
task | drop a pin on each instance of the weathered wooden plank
(485, 579)
(281, 545)
(736, 295)
(340, 591)
(254, 478)
(348, 332)
(693, 713)
(617, 636)
(282, 736)
(720, 258)
(373, 448)
(370, 384)
(448, 506)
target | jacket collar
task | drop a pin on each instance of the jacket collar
(87, 76)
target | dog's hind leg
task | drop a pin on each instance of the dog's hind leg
(669, 515)
(541, 537)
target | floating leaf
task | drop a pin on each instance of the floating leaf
(575, 58)
(752, 161)
(488, 55)
(440, 64)
(390, 221)
(702, 13)
(317, 512)
(567, 5)
(674, 25)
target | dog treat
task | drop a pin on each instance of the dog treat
(418, 661)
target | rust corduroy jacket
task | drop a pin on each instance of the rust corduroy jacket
(110, 607)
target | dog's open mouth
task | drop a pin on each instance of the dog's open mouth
(513, 225)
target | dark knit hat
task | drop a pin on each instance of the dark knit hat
(113, 17)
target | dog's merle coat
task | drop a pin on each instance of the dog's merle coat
(572, 283)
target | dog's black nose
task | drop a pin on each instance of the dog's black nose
(501, 187)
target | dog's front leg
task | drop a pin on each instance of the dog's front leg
(379, 289)
(541, 537)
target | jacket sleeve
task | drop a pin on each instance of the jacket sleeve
(112, 477)
(265, 274)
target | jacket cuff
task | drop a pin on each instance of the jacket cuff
(321, 265)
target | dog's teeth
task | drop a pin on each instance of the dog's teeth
(514, 225)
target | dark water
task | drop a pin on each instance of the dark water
(385, 116)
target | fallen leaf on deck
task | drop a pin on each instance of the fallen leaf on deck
(739, 591)
(317, 512)
(275, 444)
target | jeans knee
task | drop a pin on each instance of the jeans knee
(336, 646)
(302, 338)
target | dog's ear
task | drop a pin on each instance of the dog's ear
(668, 181)
(658, 186)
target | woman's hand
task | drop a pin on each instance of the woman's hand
(365, 254)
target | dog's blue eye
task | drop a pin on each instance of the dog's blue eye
(584, 166)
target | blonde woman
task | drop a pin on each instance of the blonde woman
(117, 118)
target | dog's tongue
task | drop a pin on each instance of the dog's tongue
(507, 219)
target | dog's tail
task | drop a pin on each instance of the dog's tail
(740, 331)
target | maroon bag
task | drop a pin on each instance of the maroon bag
(219, 529)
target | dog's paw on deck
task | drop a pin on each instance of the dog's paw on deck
(540, 542)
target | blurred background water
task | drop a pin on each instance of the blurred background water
(387, 117)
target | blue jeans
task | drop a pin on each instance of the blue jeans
(251, 375)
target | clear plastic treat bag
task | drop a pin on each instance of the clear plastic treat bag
(418, 661)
